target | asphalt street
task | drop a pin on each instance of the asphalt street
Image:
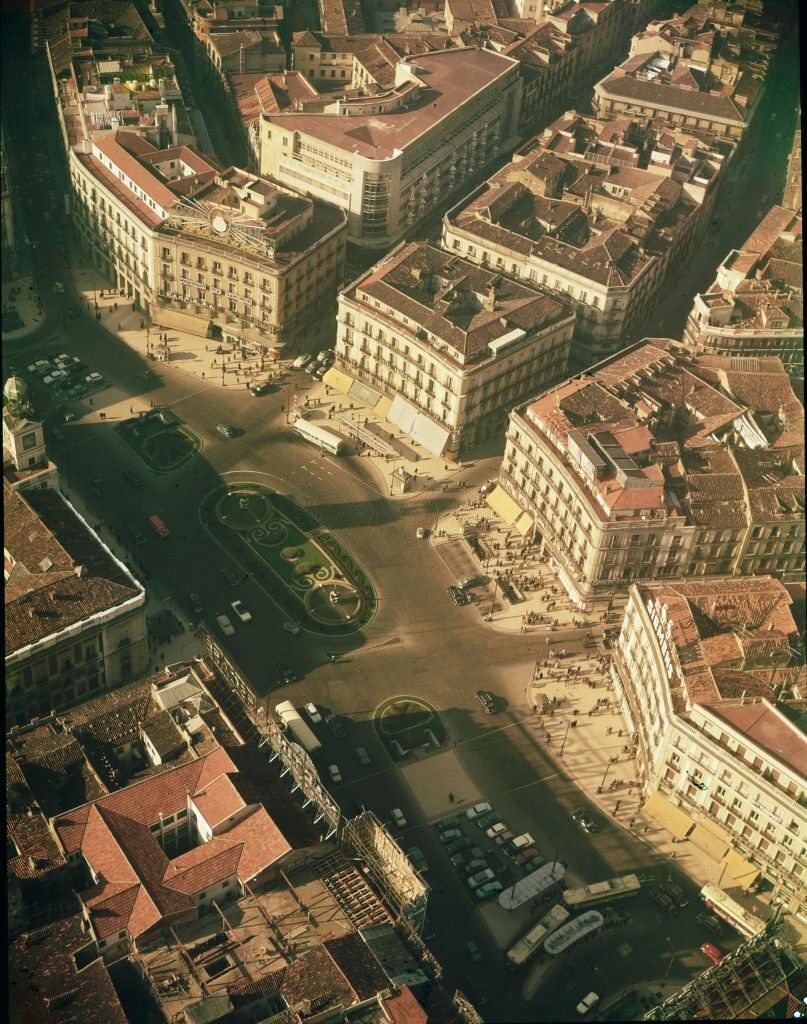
(419, 642)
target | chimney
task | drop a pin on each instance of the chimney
(490, 297)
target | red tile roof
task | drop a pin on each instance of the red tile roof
(218, 800)
(403, 1008)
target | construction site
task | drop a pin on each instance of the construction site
(748, 983)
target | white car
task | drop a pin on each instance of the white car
(588, 1003)
(420, 533)
(496, 829)
(292, 627)
(225, 625)
(241, 611)
(40, 366)
(94, 378)
(397, 816)
(302, 360)
(313, 714)
(478, 810)
(335, 774)
(54, 377)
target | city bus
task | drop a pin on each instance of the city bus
(602, 892)
(573, 931)
(528, 944)
(536, 883)
(731, 911)
(322, 438)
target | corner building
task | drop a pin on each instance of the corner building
(704, 674)
(449, 346)
(657, 464)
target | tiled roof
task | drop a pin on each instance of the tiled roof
(163, 733)
(769, 729)
(48, 543)
(45, 986)
(403, 1008)
(362, 970)
(138, 885)
(315, 976)
(218, 800)
(638, 90)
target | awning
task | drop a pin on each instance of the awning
(743, 873)
(364, 393)
(668, 815)
(429, 433)
(402, 414)
(383, 406)
(710, 838)
(524, 523)
(503, 505)
(337, 380)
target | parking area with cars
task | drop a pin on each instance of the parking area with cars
(63, 377)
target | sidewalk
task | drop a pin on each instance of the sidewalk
(22, 308)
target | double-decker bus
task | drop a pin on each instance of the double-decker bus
(528, 944)
(602, 892)
(731, 911)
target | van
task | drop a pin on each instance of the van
(159, 526)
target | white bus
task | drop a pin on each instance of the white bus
(528, 944)
(731, 911)
(534, 884)
(602, 892)
(319, 436)
(290, 717)
(574, 930)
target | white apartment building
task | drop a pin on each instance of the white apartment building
(388, 158)
(755, 306)
(703, 672)
(657, 464)
(447, 347)
(601, 212)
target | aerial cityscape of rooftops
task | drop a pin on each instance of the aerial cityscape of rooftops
(404, 489)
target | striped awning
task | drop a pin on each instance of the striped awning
(503, 505)
(668, 816)
(337, 380)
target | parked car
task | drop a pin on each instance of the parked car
(712, 952)
(450, 835)
(451, 822)
(474, 881)
(241, 611)
(525, 856)
(397, 816)
(312, 712)
(478, 810)
(40, 366)
(196, 604)
(325, 356)
(336, 727)
(585, 821)
(473, 952)
(335, 774)
(418, 858)
(260, 389)
(459, 597)
(488, 889)
(318, 373)
(676, 894)
(461, 859)
(54, 377)
(495, 830)
(487, 700)
(456, 845)
(362, 756)
(521, 842)
(661, 898)
(487, 487)
(711, 922)
(503, 837)
(226, 430)
(421, 533)
(311, 368)
(302, 360)
(225, 625)
(487, 820)
(587, 1003)
(94, 379)
(477, 864)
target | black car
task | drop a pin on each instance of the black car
(487, 700)
(663, 900)
(676, 894)
(585, 821)
(260, 389)
(196, 604)
(458, 596)
(711, 922)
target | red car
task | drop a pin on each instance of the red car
(712, 952)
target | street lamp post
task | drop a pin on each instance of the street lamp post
(495, 590)
(604, 776)
(563, 744)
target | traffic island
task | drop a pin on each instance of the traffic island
(302, 566)
(161, 440)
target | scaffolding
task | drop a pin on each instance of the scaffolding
(744, 984)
